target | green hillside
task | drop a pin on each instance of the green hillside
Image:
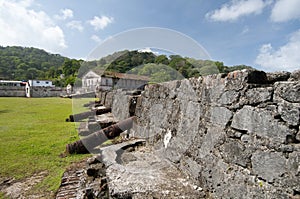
(22, 63)
(159, 68)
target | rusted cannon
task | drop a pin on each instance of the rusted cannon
(95, 103)
(90, 142)
(84, 115)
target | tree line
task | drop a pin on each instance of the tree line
(159, 68)
(22, 63)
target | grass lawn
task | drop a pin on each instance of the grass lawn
(33, 134)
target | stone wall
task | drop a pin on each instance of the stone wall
(235, 135)
(12, 91)
(47, 92)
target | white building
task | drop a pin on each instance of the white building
(93, 80)
(37, 83)
(12, 83)
(40, 83)
(90, 80)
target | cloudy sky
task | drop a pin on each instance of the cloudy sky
(260, 33)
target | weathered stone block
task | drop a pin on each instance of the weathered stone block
(238, 79)
(109, 99)
(259, 95)
(120, 105)
(298, 136)
(234, 152)
(186, 92)
(229, 97)
(295, 76)
(214, 137)
(290, 113)
(260, 122)
(268, 165)
(278, 76)
(294, 164)
(220, 116)
(288, 91)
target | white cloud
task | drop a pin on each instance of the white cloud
(21, 25)
(101, 23)
(75, 25)
(96, 38)
(285, 10)
(146, 50)
(64, 14)
(149, 50)
(237, 8)
(284, 58)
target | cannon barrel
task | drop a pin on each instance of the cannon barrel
(95, 139)
(84, 115)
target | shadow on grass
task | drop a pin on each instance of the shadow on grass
(4, 111)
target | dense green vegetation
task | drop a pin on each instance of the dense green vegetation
(28, 63)
(159, 68)
(21, 63)
(33, 135)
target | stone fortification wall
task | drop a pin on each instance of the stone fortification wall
(47, 92)
(12, 91)
(235, 135)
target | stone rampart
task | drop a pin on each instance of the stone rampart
(235, 135)
(47, 92)
(12, 91)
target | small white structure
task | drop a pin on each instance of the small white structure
(90, 80)
(12, 83)
(37, 83)
(69, 89)
(94, 80)
(40, 83)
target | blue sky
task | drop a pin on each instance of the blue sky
(260, 33)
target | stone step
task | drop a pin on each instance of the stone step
(135, 171)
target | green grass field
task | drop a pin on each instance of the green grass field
(33, 134)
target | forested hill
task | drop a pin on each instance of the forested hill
(21, 63)
(26, 63)
(159, 68)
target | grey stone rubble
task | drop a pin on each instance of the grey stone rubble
(226, 136)
(85, 179)
(140, 173)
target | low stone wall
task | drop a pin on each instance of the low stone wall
(236, 135)
(12, 91)
(47, 92)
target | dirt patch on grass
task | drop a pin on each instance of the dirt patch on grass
(23, 189)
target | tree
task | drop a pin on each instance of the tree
(70, 67)
(32, 73)
(162, 59)
(220, 66)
